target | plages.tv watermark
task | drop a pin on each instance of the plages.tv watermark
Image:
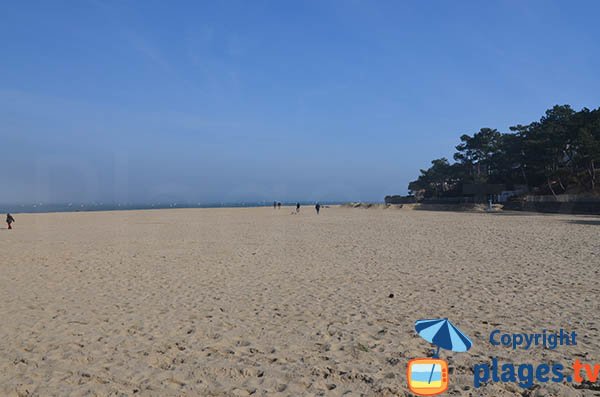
(527, 374)
(430, 376)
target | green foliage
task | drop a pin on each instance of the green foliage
(560, 152)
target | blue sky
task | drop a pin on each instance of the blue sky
(261, 100)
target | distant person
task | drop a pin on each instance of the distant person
(297, 207)
(9, 220)
(279, 205)
(274, 204)
(318, 208)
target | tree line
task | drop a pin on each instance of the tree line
(557, 154)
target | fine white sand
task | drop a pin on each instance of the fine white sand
(198, 302)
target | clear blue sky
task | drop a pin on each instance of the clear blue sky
(289, 100)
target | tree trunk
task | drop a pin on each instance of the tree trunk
(524, 176)
(592, 172)
(550, 186)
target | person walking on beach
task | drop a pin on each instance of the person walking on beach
(297, 207)
(9, 220)
(274, 204)
(318, 208)
(279, 205)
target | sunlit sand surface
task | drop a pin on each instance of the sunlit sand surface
(198, 302)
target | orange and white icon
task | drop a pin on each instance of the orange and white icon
(427, 376)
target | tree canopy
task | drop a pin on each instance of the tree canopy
(557, 154)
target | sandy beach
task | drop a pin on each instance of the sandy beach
(257, 301)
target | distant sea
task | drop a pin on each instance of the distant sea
(86, 207)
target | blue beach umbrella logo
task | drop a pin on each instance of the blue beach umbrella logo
(429, 376)
(443, 334)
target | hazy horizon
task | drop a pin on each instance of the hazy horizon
(104, 101)
(21, 208)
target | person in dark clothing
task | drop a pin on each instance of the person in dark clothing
(9, 220)
(318, 208)
(274, 204)
(279, 205)
(297, 207)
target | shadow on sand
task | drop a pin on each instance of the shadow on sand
(585, 222)
(589, 222)
(517, 213)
